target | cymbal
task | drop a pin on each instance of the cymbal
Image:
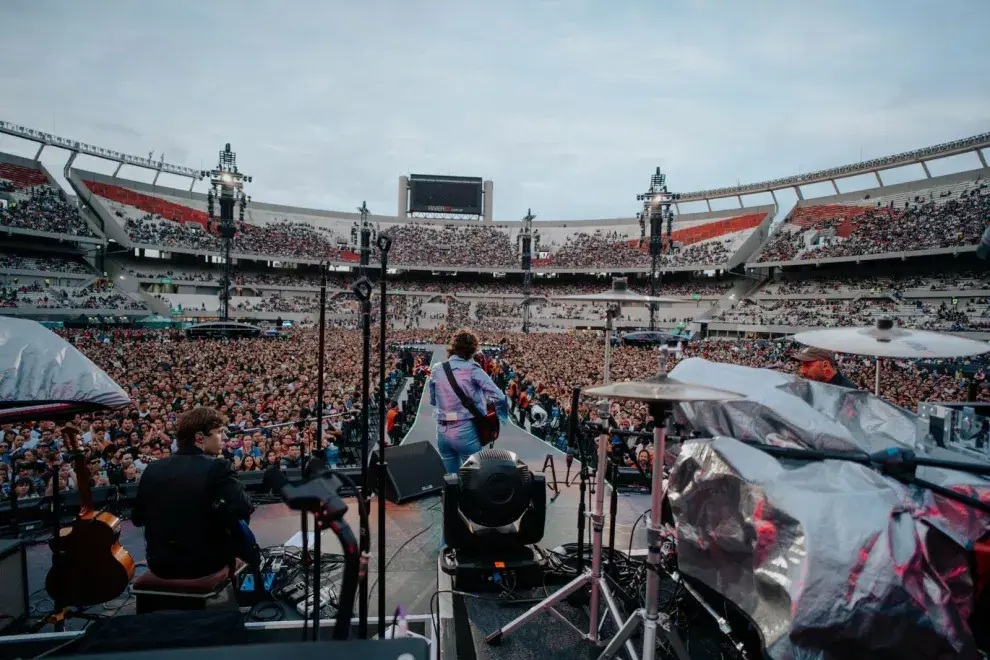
(619, 294)
(661, 388)
(884, 340)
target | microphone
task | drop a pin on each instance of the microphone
(983, 249)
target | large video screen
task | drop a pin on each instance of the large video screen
(445, 194)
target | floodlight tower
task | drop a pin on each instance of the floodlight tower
(656, 208)
(525, 241)
(366, 231)
(227, 186)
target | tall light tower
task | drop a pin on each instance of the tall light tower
(656, 208)
(366, 231)
(525, 241)
(227, 185)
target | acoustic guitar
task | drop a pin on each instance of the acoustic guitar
(89, 566)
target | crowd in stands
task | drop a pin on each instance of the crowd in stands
(9, 261)
(970, 315)
(297, 239)
(708, 253)
(929, 224)
(43, 208)
(839, 283)
(599, 250)
(424, 245)
(39, 295)
(150, 230)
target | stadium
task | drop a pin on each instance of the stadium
(121, 267)
(538, 332)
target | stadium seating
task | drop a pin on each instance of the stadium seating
(949, 212)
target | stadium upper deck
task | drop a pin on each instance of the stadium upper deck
(942, 215)
(141, 215)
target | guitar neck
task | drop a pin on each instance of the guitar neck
(82, 485)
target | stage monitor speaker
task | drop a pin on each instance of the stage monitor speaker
(413, 470)
(13, 583)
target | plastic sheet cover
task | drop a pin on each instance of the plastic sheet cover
(829, 559)
(42, 376)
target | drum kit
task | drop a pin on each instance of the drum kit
(661, 393)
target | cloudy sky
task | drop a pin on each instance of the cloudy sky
(567, 105)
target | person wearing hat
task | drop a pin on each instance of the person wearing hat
(818, 364)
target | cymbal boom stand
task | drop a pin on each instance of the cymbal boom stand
(649, 616)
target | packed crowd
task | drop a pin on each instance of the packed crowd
(424, 245)
(935, 223)
(971, 315)
(271, 384)
(253, 382)
(13, 261)
(99, 295)
(44, 208)
(708, 253)
(840, 283)
(552, 364)
(599, 250)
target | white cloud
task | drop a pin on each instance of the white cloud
(567, 106)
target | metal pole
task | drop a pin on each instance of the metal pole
(320, 365)
(876, 387)
(608, 341)
(384, 243)
(365, 439)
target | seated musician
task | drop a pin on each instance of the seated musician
(191, 504)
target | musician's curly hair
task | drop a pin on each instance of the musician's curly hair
(463, 344)
(198, 420)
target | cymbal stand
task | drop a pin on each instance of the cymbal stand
(593, 577)
(650, 616)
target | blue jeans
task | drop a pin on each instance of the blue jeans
(456, 442)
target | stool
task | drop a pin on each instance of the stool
(209, 592)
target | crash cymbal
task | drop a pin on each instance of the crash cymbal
(661, 388)
(884, 340)
(619, 294)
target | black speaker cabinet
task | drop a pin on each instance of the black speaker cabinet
(13, 583)
(413, 470)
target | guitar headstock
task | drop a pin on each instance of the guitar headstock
(71, 435)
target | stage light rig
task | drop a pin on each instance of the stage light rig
(527, 236)
(656, 208)
(227, 187)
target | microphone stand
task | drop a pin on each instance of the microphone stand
(384, 245)
(362, 289)
(573, 438)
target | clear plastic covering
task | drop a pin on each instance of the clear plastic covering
(830, 559)
(42, 376)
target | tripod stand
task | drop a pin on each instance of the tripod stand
(593, 577)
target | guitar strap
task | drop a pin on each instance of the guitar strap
(465, 401)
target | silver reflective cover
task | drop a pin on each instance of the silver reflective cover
(830, 559)
(43, 376)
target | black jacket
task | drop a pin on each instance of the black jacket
(188, 505)
(842, 381)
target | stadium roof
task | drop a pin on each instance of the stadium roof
(918, 156)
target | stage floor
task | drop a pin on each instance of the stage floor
(414, 538)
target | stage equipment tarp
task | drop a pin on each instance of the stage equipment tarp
(44, 377)
(829, 559)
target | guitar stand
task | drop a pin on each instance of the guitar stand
(555, 489)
